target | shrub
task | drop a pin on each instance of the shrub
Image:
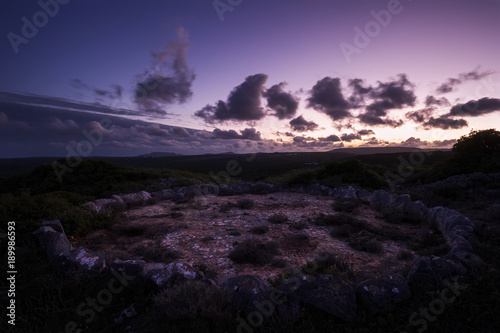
(259, 230)
(298, 225)
(156, 253)
(303, 178)
(191, 306)
(345, 205)
(365, 241)
(352, 172)
(234, 233)
(405, 255)
(279, 263)
(253, 251)
(245, 203)
(278, 218)
(337, 219)
(330, 263)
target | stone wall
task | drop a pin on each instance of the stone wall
(326, 292)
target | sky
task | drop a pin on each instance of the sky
(124, 78)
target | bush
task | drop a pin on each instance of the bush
(252, 251)
(156, 253)
(352, 172)
(303, 178)
(192, 306)
(336, 220)
(278, 218)
(259, 230)
(405, 255)
(365, 241)
(345, 205)
(245, 203)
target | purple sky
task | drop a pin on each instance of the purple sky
(197, 77)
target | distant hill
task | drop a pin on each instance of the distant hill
(159, 154)
(380, 150)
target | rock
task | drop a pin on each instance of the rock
(162, 195)
(82, 258)
(416, 210)
(191, 191)
(364, 195)
(326, 292)
(246, 290)
(102, 204)
(430, 272)
(262, 188)
(164, 276)
(400, 201)
(134, 268)
(117, 203)
(54, 224)
(344, 192)
(313, 189)
(455, 225)
(382, 198)
(382, 295)
(207, 189)
(91, 206)
(137, 199)
(54, 243)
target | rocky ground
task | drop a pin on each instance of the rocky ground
(203, 231)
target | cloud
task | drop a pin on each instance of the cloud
(284, 103)
(359, 91)
(350, 137)
(243, 103)
(431, 100)
(388, 95)
(299, 124)
(246, 134)
(326, 96)
(450, 84)
(366, 132)
(476, 108)
(420, 116)
(330, 138)
(63, 127)
(115, 91)
(445, 123)
(171, 80)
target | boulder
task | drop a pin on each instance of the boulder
(262, 188)
(364, 195)
(382, 295)
(430, 272)
(137, 199)
(326, 292)
(103, 204)
(207, 189)
(131, 268)
(247, 290)
(382, 198)
(164, 276)
(191, 191)
(91, 206)
(54, 243)
(416, 210)
(82, 258)
(162, 195)
(54, 224)
(117, 203)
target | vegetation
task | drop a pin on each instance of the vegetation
(245, 203)
(278, 218)
(252, 251)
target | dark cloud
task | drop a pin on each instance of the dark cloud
(170, 81)
(246, 134)
(451, 83)
(350, 137)
(388, 95)
(431, 100)
(359, 91)
(115, 91)
(299, 124)
(420, 116)
(366, 132)
(476, 108)
(445, 123)
(243, 103)
(284, 103)
(330, 138)
(326, 96)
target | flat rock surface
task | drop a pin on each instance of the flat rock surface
(204, 234)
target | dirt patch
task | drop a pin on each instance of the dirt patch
(204, 231)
